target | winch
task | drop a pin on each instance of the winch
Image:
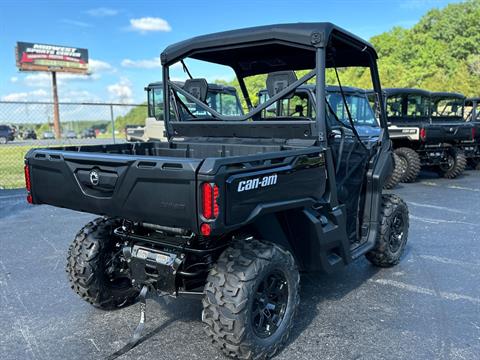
(152, 267)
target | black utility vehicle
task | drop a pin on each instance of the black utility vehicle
(302, 103)
(472, 116)
(231, 208)
(423, 134)
(6, 134)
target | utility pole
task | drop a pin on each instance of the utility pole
(56, 112)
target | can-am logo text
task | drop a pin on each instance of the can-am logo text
(252, 184)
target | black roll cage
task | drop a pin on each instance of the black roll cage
(320, 106)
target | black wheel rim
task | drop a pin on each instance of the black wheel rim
(269, 304)
(449, 164)
(396, 233)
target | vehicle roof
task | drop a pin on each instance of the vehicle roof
(211, 86)
(241, 49)
(396, 91)
(476, 99)
(447, 94)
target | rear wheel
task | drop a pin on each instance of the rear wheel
(3, 140)
(397, 173)
(392, 234)
(412, 164)
(455, 164)
(250, 300)
(95, 268)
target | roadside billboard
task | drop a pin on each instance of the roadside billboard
(43, 57)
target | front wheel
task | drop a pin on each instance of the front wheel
(95, 270)
(3, 140)
(392, 233)
(251, 296)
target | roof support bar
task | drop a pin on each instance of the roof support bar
(321, 96)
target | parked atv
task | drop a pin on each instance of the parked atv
(423, 135)
(232, 207)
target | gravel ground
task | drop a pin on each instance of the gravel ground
(427, 307)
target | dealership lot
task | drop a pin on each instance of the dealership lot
(428, 307)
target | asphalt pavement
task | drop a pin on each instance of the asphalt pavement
(427, 307)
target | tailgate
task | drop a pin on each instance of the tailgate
(159, 190)
(449, 132)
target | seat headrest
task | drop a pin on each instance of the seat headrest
(278, 81)
(197, 88)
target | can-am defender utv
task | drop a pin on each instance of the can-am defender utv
(221, 98)
(420, 137)
(361, 111)
(447, 110)
(231, 208)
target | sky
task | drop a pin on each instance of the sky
(125, 38)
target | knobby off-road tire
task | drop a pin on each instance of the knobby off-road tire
(456, 166)
(89, 262)
(412, 164)
(392, 233)
(237, 299)
(397, 173)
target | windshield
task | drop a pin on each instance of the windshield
(447, 107)
(471, 111)
(407, 106)
(358, 105)
(300, 105)
(226, 103)
(155, 103)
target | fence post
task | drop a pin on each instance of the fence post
(113, 123)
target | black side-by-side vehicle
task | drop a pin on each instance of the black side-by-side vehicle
(426, 129)
(231, 208)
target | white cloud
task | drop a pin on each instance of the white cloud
(76, 23)
(146, 24)
(96, 66)
(102, 12)
(43, 79)
(121, 91)
(35, 95)
(78, 96)
(142, 64)
(14, 79)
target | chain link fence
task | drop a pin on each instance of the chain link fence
(26, 125)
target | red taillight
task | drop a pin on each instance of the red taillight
(423, 133)
(210, 208)
(205, 229)
(216, 209)
(28, 183)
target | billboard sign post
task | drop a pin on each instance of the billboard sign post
(52, 58)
